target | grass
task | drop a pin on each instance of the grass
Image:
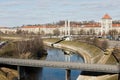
(12, 35)
(111, 60)
(2, 76)
(51, 40)
(94, 51)
(7, 49)
(113, 77)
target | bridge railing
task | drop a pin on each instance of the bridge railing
(64, 65)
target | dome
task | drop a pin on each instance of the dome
(106, 16)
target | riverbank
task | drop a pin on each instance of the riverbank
(8, 74)
(90, 54)
(19, 47)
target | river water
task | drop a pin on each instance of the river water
(53, 73)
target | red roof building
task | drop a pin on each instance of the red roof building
(102, 27)
(106, 16)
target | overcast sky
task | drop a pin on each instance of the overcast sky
(18, 12)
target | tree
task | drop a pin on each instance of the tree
(82, 32)
(56, 32)
(18, 31)
(116, 50)
(104, 45)
(61, 23)
(42, 32)
(88, 40)
(113, 32)
(34, 46)
(96, 42)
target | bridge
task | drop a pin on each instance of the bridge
(63, 65)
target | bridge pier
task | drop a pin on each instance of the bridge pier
(18, 69)
(119, 72)
(67, 74)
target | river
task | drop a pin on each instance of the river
(53, 73)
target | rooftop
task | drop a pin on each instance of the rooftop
(106, 16)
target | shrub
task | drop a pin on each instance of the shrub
(34, 46)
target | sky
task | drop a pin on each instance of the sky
(23, 12)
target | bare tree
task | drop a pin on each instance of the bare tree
(104, 45)
(82, 32)
(34, 46)
(113, 32)
(56, 32)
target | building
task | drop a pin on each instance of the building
(101, 28)
(7, 30)
(39, 29)
(98, 28)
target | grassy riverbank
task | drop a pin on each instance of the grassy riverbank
(95, 53)
(91, 49)
(18, 47)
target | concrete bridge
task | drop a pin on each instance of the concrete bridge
(63, 65)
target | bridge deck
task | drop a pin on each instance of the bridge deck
(64, 65)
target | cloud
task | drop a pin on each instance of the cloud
(9, 3)
(25, 11)
(95, 4)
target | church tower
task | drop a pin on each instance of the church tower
(106, 24)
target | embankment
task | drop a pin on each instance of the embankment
(90, 54)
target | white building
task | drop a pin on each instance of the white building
(101, 28)
(7, 30)
(98, 28)
(39, 29)
(106, 24)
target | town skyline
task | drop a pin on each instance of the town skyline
(17, 13)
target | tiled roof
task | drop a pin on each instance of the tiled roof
(39, 27)
(91, 25)
(29, 27)
(106, 16)
(115, 25)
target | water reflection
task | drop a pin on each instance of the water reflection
(33, 73)
(53, 73)
(48, 74)
(58, 55)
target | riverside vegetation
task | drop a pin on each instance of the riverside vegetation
(32, 48)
